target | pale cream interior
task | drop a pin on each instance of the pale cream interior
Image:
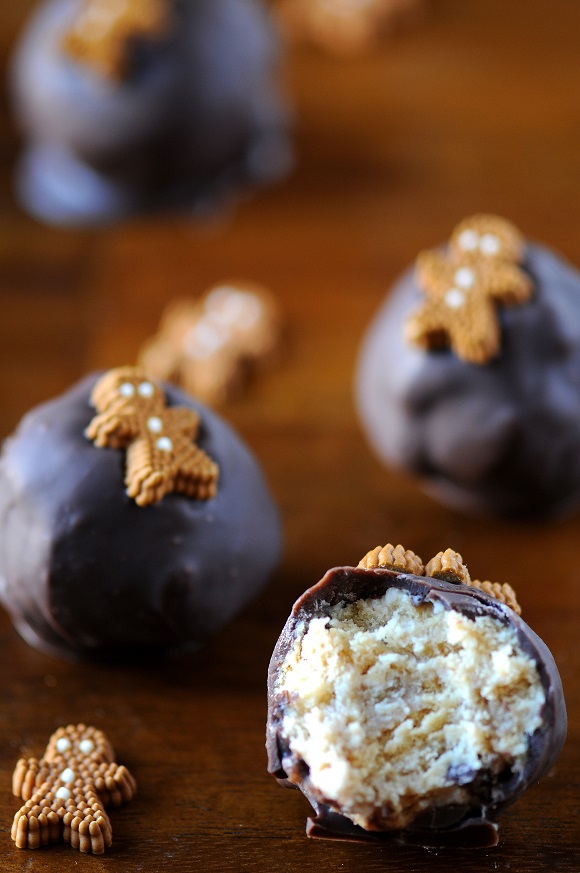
(392, 705)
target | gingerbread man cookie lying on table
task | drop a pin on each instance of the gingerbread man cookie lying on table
(343, 27)
(66, 792)
(210, 346)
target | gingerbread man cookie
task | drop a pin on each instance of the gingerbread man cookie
(465, 285)
(102, 31)
(447, 565)
(66, 792)
(211, 345)
(161, 454)
(343, 27)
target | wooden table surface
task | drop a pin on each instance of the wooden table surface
(475, 108)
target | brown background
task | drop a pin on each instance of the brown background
(476, 108)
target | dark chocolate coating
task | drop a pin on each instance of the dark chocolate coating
(452, 825)
(85, 571)
(201, 115)
(498, 439)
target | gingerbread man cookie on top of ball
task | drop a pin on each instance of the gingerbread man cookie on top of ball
(161, 455)
(66, 792)
(103, 32)
(464, 287)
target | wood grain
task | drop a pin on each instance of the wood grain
(474, 109)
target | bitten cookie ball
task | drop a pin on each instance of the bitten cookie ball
(469, 375)
(146, 105)
(411, 708)
(133, 521)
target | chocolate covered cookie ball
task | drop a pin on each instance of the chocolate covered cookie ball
(411, 704)
(469, 376)
(146, 105)
(133, 521)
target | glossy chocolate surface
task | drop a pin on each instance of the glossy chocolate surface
(201, 114)
(469, 825)
(85, 571)
(498, 439)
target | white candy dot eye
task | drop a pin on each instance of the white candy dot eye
(86, 747)
(468, 240)
(489, 244)
(218, 297)
(63, 793)
(250, 313)
(464, 277)
(164, 444)
(67, 775)
(204, 339)
(127, 389)
(233, 308)
(154, 424)
(454, 298)
(62, 744)
(146, 389)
